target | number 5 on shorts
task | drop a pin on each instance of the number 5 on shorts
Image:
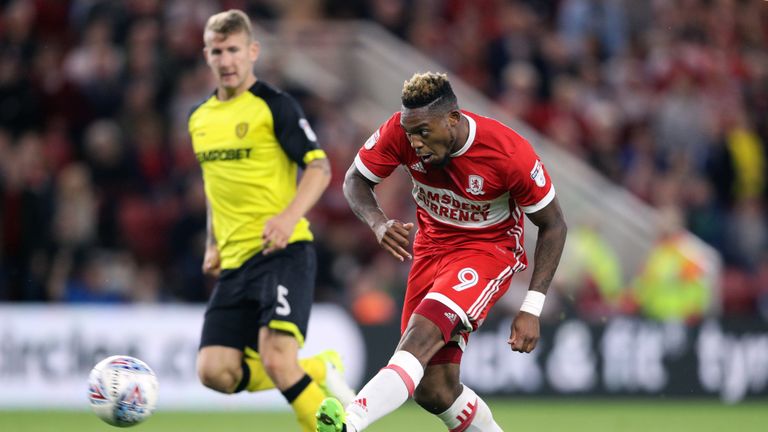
(283, 307)
(467, 279)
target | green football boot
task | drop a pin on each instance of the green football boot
(330, 416)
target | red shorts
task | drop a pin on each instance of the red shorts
(457, 287)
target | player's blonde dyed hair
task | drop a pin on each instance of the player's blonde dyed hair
(229, 22)
(426, 88)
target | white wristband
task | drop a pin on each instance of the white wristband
(533, 303)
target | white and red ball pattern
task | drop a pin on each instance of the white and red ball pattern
(122, 390)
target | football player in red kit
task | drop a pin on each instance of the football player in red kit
(473, 180)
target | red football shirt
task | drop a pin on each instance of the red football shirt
(477, 201)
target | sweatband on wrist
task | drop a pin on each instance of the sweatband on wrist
(533, 303)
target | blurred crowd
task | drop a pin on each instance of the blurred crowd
(101, 197)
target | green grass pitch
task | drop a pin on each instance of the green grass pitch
(541, 415)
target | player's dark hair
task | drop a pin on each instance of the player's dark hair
(429, 89)
(229, 22)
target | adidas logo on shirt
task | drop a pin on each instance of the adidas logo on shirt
(418, 167)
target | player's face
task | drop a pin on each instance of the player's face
(432, 136)
(231, 58)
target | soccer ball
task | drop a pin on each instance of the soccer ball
(122, 390)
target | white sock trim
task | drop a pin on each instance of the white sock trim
(386, 391)
(452, 417)
(469, 413)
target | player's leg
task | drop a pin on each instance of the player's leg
(326, 368)
(440, 386)
(218, 367)
(469, 413)
(226, 370)
(279, 355)
(391, 386)
(465, 286)
(442, 394)
(220, 358)
(229, 332)
(287, 282)
(228, 329)
(466, 289)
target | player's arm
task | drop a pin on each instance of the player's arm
(299, 142)
(524, 333)
(391, 234)
(211, 260)
(278, 230)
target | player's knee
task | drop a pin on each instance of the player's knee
(216, 378)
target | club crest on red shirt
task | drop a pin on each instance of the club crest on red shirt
(476, 185)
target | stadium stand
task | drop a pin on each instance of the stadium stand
(648, 108)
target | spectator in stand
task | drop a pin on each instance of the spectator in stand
(590, 280)
(673, 283)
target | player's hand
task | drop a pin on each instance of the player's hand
(212, 261)
(524, 332)
(277, 232)
(393, 236)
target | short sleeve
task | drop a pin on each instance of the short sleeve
(530, 184)
(293, 131)
(383, 151)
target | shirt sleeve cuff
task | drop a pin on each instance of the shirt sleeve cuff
(542, 202)
(365, 171)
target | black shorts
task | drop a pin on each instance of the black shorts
(274, 290)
